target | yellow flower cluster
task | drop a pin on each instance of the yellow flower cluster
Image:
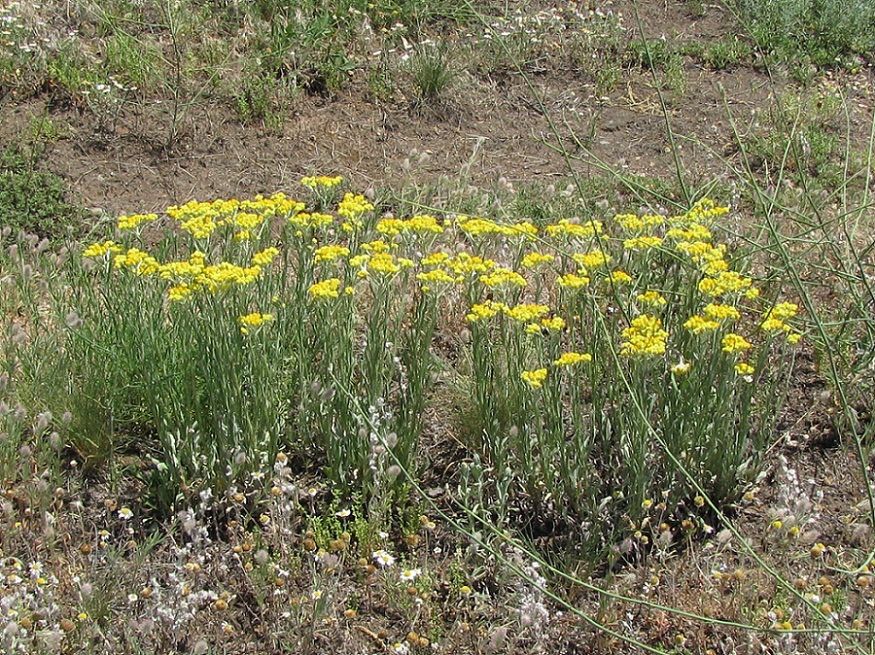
(571, 358)
(485, 311)
(436, 275)
(620, 277)
(719, 312)
(201, 219)
(353, 206)
(396, 226)
(636, 223)
(699, 324)
(465, 264)
(694, 249)
(592, 259)
(330, 253)
(141, 262)
(783, 311)
(435, 259)
(692, 233)
(534, 259)
(774, 319)
(265, 257)
(554, 323)
(572, 281)
(500, 276)
(566, 228)
(642, 243)
(733, 343)
(100, 249)
(314, 221)
(644, 336)
(321, 181)
(184, 269)
(653, 298)
(534, 378)
(527, 312)
(378, 245)
(133, 221)
(480, 226)
(329, 288)
(253, 320)
(225, 275)
(381, 262)
(189, 276)
(728, 282)
(705, 212)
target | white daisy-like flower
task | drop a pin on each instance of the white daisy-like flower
(342, 514)
(383, 558)
(125, 513)
(409, 575)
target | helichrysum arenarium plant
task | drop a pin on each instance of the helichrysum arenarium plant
(611, 360)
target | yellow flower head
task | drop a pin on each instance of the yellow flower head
(642, 243)
(571, 358)
(580, 230)
(644, 336)
(435, 259)
(500, 276)
(534, 378)
(254, 319)
(653, 298)
(555, 323)
(265, 257)
(485, 310)
(436, 275)
(783, 311)
(733, 343)
(592, 259)
(620, 277)
(719, 312)
(725, 282)
(572, 281)
(329, 288)
(133, 221)
(699, 324)
(527, 312)
(329, 253)
(534, 259)
(353, 206)
(465, 264)
(100, 249)
(321, 181)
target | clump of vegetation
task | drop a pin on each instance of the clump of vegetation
(639, 340)
(32, 198)
(828, 32)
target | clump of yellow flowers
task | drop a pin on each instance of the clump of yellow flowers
(601, 264)
(557, 313)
